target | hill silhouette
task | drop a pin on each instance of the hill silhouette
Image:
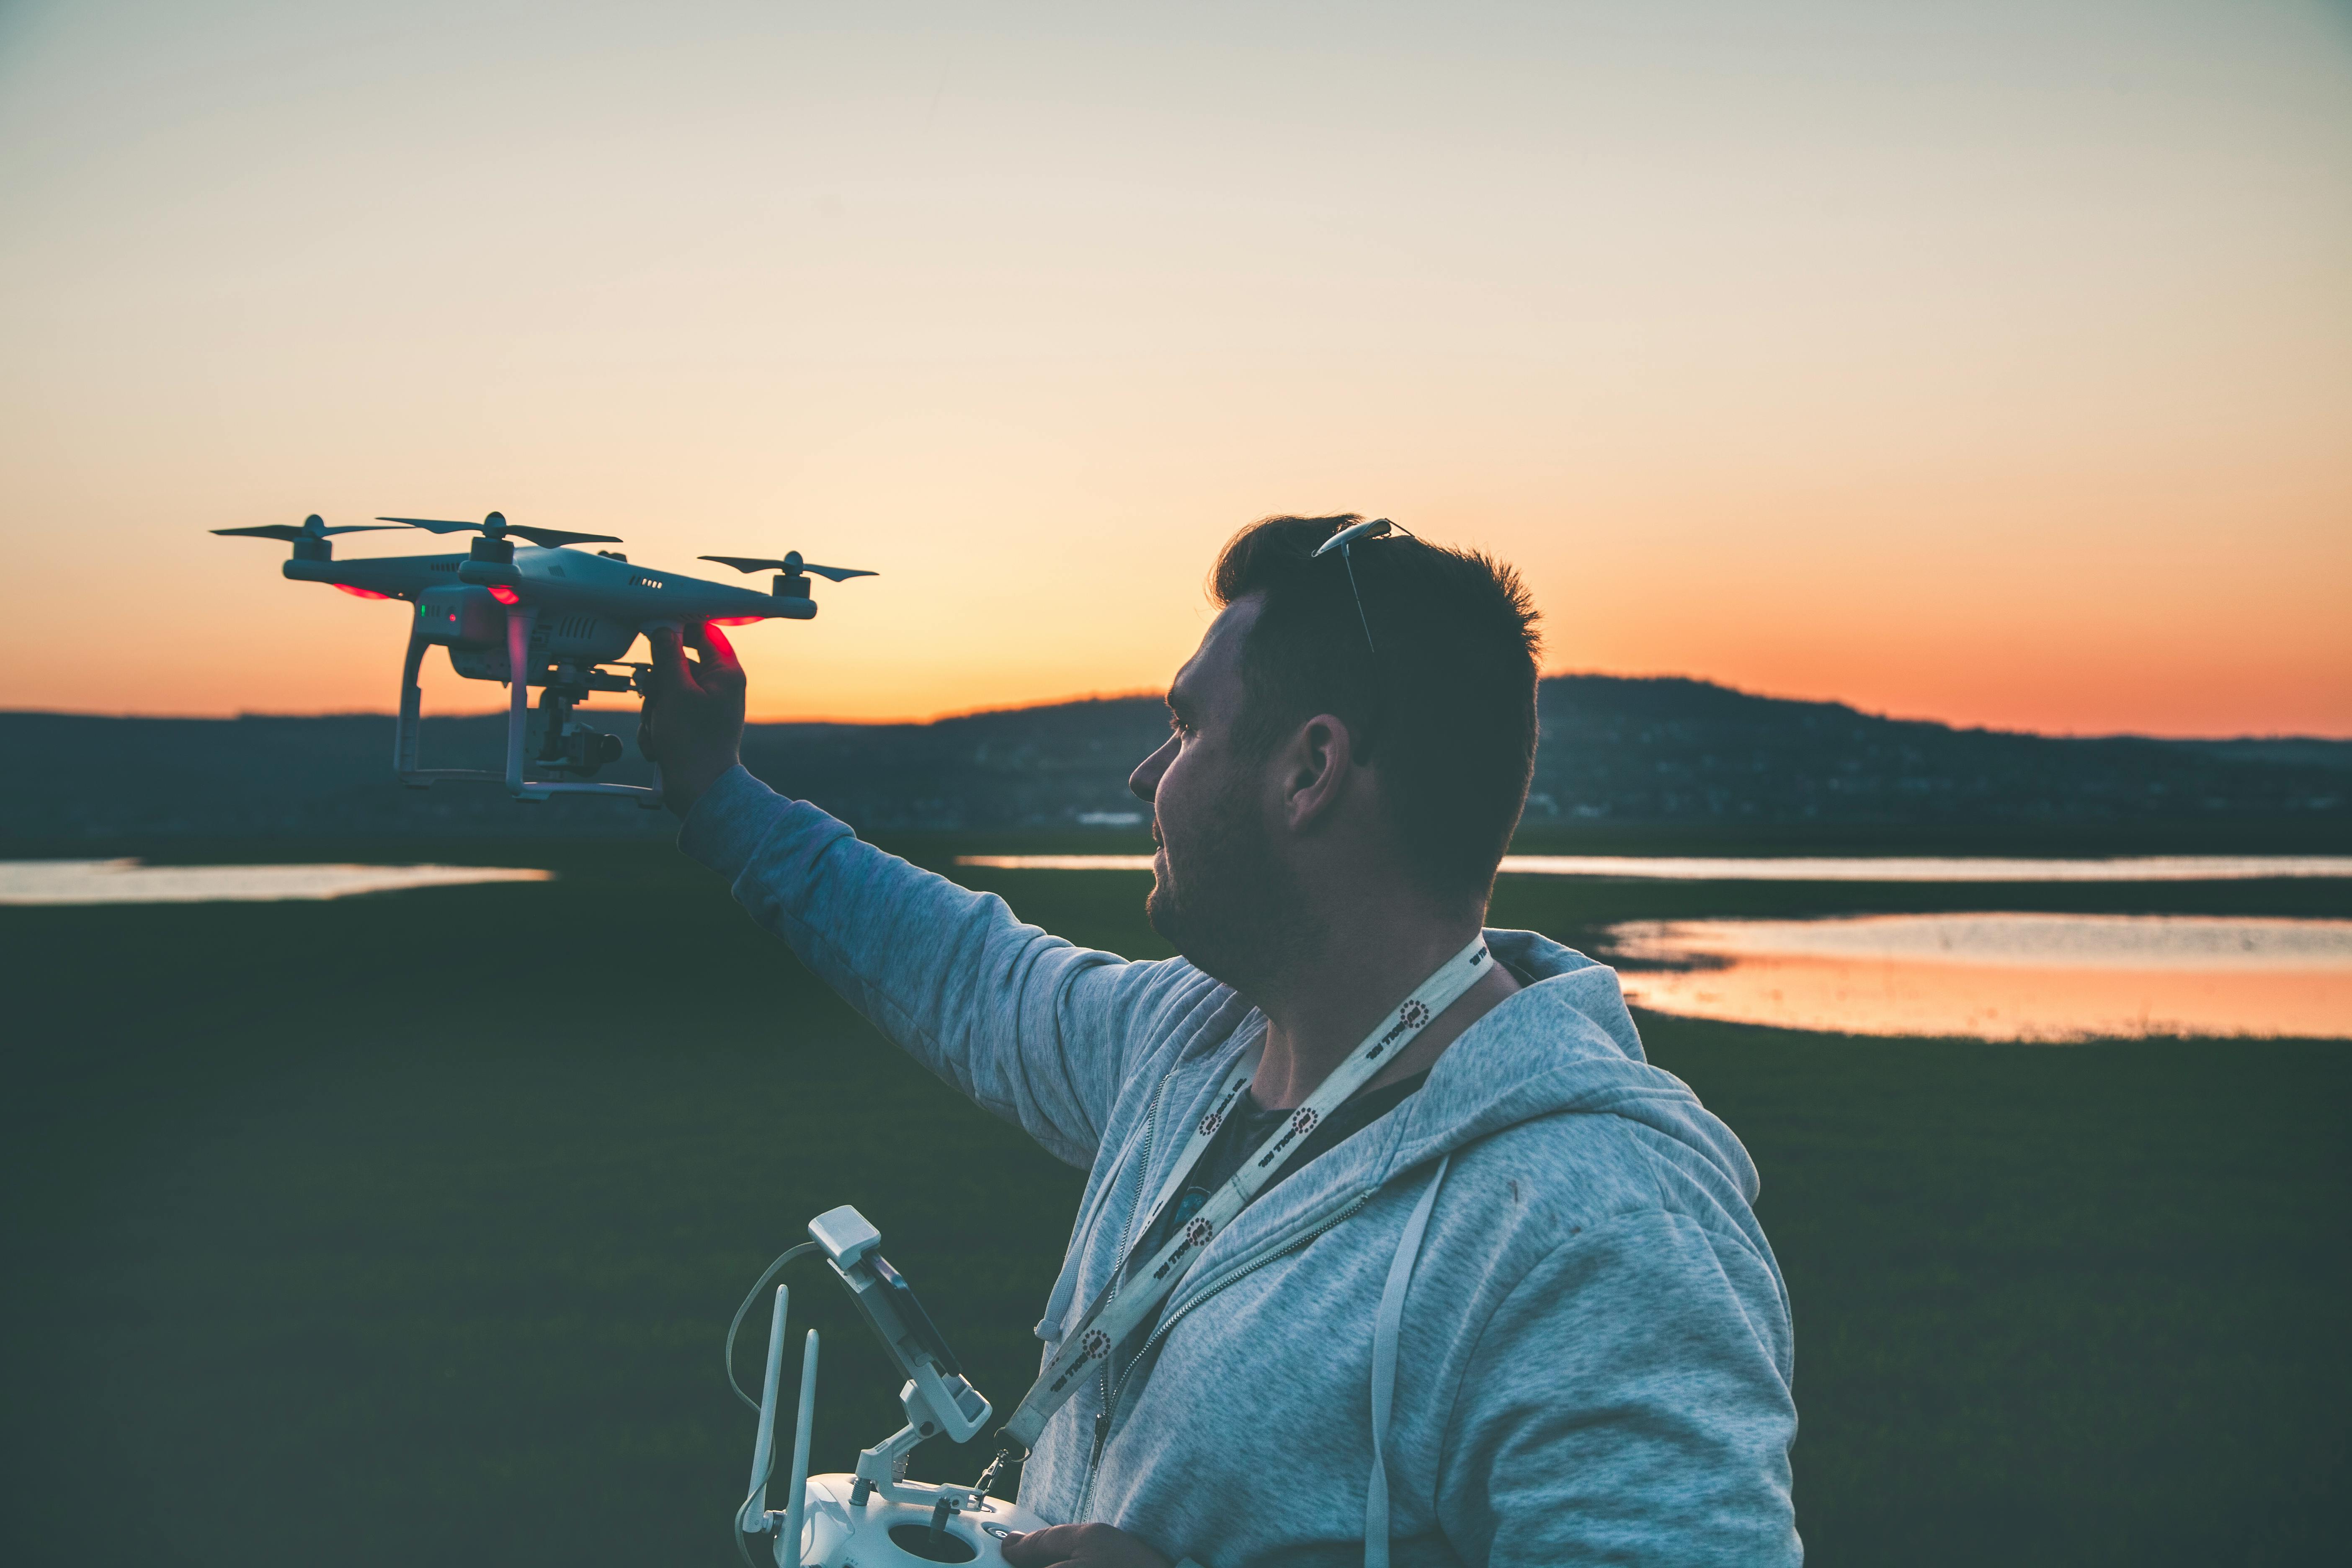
(1615, 751)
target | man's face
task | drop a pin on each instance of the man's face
(1218, 892)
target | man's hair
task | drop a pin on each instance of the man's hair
(1446, 708)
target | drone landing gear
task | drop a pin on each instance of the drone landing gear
(565, 746)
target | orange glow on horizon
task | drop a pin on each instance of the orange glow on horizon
(1956, 364)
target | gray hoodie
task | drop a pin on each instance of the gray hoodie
(1587, 1354)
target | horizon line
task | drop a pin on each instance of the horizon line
(1132, 694)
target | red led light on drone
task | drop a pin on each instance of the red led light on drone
(740, 621)
(504, 594)
(362, 593)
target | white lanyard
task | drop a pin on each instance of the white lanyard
(1113, 1317)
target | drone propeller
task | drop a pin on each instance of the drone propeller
(791, 564)
(495, 526)
(313, 527)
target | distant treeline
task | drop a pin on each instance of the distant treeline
(1614, 751)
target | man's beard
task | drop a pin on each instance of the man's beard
(1224, 900)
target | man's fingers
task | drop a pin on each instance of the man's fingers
(1037, 1549)
(671, 672)
(1100, 1544)
(717, 650)
(1045, 1548)
(717, 669)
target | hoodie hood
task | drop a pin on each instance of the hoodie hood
(1564, 1044)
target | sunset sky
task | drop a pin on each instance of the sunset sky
(1988, 363)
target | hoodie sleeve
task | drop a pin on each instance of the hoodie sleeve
(1626, 1410)
(1032, 1029)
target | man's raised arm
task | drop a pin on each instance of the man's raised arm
(1032, 1028)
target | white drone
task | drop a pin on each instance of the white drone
(549, 616)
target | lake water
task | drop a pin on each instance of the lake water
(2002, 977)
(2046, 977)
(128, 882)
(1822, 868)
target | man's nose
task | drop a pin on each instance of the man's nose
(1144, 782)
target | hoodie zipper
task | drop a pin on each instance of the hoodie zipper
(1111, 1396)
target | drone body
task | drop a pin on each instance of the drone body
(555, 614)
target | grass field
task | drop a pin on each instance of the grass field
(402, 1229)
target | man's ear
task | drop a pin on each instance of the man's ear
(1317, 765)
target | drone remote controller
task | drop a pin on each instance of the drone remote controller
(873, 1517)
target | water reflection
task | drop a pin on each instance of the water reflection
(2000, 977)
(1821, 867)
(1931, 868)
(128, 882)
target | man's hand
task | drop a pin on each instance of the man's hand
(692, 727)
(1081, 1546)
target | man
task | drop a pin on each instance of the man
(1497, 1295)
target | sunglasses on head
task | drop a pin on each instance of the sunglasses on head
(1345, 542)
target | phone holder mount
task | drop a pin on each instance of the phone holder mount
(937, 1398)
(876, 1514)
